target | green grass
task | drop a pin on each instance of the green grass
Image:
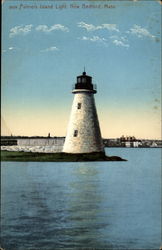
(56, 157)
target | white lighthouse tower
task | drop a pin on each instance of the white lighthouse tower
(83, 133)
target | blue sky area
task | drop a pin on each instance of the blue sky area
(45, 49)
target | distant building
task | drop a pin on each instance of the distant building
(128, 144)
(136, 144)
(129, 141)
(154, 144)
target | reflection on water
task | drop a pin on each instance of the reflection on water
(85, 212)
(97, 205)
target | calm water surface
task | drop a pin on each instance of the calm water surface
(90, 205)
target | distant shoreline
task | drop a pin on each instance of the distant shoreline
(58, 140)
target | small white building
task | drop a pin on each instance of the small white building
(136, 144)
(128, 144)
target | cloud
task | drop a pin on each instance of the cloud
(111, 27)
(124, 39)
(11, 48)
(50, 49)
(26, 29)
(120, 43)
(91, 27)
(20, 30)
(88, 27)
(94, 39)
(46, 29)
(140, 32)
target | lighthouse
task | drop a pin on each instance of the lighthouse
(83, 132)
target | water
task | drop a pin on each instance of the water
(88, 205)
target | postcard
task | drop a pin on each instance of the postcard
(81, 79)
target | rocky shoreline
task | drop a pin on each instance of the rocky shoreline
(55, 157)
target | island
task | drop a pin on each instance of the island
(56, 157)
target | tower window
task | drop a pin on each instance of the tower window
(84, 80)
(79, 105)
(75, 133)
(79, 79)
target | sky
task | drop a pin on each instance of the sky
(45, 46)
